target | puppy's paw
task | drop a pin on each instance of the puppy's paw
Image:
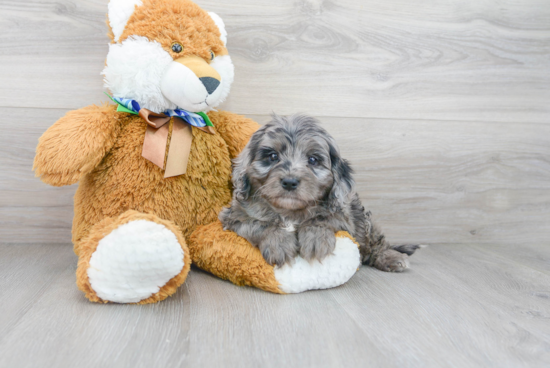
(279, 247)
(316, 242)
(392, 261)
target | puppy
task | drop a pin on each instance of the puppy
(293, 192)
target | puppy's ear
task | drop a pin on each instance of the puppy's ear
(342, 188)
(240, 179)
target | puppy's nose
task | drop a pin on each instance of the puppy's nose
(210, 84)
(290, 183)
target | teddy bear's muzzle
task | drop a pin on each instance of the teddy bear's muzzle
(208, 76)
(192, 84)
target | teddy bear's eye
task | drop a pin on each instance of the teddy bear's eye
(212, 55)
(177, 47)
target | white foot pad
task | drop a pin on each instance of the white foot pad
(134, 261)
(335, 270)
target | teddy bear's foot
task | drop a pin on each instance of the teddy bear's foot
(134, 258)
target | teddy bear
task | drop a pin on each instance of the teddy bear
(154, 166)
(165, 56)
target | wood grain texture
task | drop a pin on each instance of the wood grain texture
(457, 60)
(460, 305)
(425, 181)
(27, 273)
(29, 209)
(60, 328)
(441, 106)
(481, 309)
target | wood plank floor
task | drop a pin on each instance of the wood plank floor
(460, 305)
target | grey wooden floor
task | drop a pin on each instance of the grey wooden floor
(443, 109)
(461, 305)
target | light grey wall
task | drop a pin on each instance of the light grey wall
(442, 106)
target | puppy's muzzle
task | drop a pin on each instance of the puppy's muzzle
(290, 183)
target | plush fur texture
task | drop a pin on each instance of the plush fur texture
(105, 227)
(134, 69)
(76, 144)
(142, 65)
(333, 271)
(224, 66)
(168, 21)
(152, 256)
(194, 96)
(291, 175)
(142, 70)
(231, 257)
(119, 13)
(221, 26)
(125, 180)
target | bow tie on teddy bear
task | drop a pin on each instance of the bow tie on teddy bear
(156, 136)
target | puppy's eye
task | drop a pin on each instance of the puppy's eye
(177, 47)
(312, 161)
(212, 55)
(274, 157)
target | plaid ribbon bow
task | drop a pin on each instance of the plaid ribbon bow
(156, 136)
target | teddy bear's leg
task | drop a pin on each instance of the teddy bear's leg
(132, 258)
(230, 257)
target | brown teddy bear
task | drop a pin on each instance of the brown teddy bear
(158, 163)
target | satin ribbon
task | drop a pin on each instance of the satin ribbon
(156, 135)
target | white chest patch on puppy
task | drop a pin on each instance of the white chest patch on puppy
(335, 270)
(289, 227)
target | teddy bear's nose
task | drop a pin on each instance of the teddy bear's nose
(210, 84)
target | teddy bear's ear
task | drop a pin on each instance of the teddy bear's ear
(119, 13)
(219, 22)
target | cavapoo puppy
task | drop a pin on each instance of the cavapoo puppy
(293, 192)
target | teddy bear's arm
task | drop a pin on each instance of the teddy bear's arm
(76, 144)
(235, 130)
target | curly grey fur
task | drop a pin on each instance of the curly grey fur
(283, 223)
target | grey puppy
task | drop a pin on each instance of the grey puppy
(293, 192)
